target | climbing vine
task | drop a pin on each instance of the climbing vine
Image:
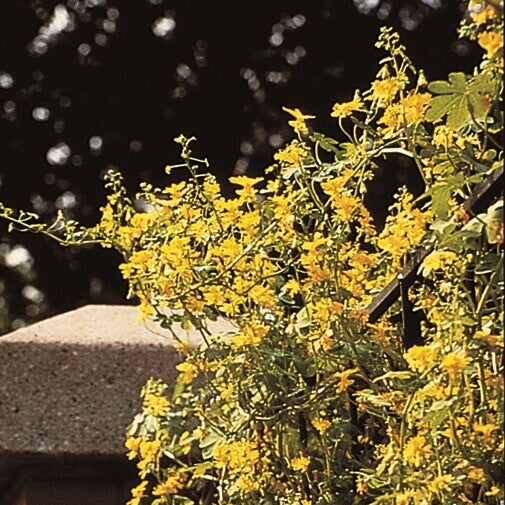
(303, 400)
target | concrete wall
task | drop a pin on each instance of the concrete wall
(69, 387)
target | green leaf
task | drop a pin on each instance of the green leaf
(302, 319)
(459, 113)
(438, 413)
(400, 375)
(151, 423)
(474, 226)
(482, 82)
(439, 107)
(307, 368)
(179, 387)
(441, 195)
(207, 444)
(440, 87)
(495, 212)
(493, 220)
(328, 144)
(460, 99)
(487, 264)
(183, 500)
(442, 228)
(427, 152)
(201, 469)
(134, 426)
(458, 81)
(291, 441)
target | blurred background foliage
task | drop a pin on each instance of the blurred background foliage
(91, 84)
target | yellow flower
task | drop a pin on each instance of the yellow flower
(149, 449)
(421, 357)
(249, 222)
(212, 188)
(239, 458)
(156, 405)
(262, 295)
(300, 463)
(173, 482)
(126, 235)
(411, 110)
(194, 305)
(409, 497)
(176, 192)
(344, 206)
(454, 364)
(344, 381)
(321, 425)
(149, 454)
(189, 371)
(494, 491)
(476, 474)
(132, 444)
(438, 260)
(495, 231)
(385, 90)
(392, 244)
(435, 391)
(491, 42)
(248, 192)
(334, 187)
(138, 493)
(312, 246)
(416, 450)
(171, 252)
(341, 110)
(142, 261)
(292, 155)
(443, 136)
(484, 429)
(414, 107)
(250, 335)
(247, 483)
(483, 14)
(213, 295)
(298, 124)
(108, 221)
(141, 220)
(293, 287)
(464, 499)
(146, 311)
(127, 270)
(392, 118)
(440, 483)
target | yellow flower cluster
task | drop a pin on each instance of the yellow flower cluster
(300, 463)
(292, 155)
(385, 90)
(407, 227)
(302, 399)
(299, 122)
(421, 358)
(342, 110)
(243, 463)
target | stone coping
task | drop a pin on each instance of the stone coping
(69, 385)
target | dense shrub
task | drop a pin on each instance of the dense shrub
(306, 401)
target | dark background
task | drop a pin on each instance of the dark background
(85, 85)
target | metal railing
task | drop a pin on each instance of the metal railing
(398, 288)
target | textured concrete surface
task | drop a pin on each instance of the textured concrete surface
(70, 385)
